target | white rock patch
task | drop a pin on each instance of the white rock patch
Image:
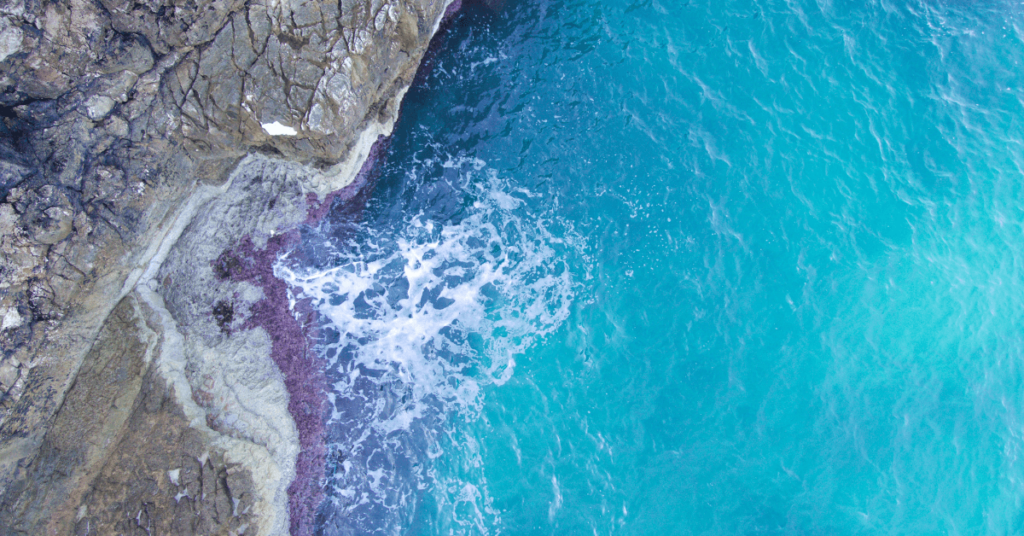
(11, 319)
(10, 39)
(277, 129)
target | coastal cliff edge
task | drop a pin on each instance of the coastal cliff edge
(155, 158)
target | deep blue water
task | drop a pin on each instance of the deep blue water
(649, 268)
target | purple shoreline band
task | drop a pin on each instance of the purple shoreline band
(291, 334)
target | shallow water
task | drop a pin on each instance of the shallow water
(744, 267)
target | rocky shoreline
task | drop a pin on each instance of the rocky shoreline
(154, 159)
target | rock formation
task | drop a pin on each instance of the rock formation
(154, 157)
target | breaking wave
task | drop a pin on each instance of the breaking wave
(418, 320)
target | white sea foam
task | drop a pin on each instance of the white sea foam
(427, 317)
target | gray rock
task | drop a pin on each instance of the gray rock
(10, 38)
(98, 106)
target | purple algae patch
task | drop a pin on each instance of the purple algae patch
(357, 192)
(453, 8)
(290, 334)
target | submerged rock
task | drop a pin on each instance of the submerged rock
(140, 388)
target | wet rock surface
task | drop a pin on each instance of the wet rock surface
(121, 124)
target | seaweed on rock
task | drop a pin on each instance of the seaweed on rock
(290, 331)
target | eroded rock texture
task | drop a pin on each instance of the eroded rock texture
(163, 478)
(120, 122)
(121, 457)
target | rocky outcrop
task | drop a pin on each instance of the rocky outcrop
(121, 440)
(139, 141)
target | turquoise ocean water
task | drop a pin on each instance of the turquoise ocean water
(687, 267)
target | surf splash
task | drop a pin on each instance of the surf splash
(419, 321)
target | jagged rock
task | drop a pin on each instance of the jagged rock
(120, 125)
